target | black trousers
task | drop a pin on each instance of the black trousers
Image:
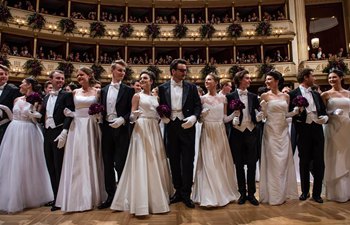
(180, 149)
(310, 144)
(53, 156)
(245, 152)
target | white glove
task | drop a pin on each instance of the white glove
(263, 105)
(4, 108)
(165, 120)
(68, 113)
(205, 112)
(135, 115)
(338, 112)
(62, 138)
(322, 120)
(189, 122)
(98, 117)
(235, 121)
(296, 111)
(229, 118)
(236, 113)
(1, 113)
(34, 115)
(259, 115)
(117, 122)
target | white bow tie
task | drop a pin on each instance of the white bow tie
(116, 86)
(53, 93)
(242, 92)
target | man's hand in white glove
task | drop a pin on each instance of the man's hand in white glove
(296, 111)
(62, 138)
(236, 113)
(135, 115)
(322, 120)
(34, 115)
(205, 112)
(165, 120)
(235, 121)
(259, 115)
(338, 112)
(117, 122)
(189, 122)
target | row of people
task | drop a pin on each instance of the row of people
(87, 154)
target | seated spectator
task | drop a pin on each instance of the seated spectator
(313, 57)
(341, 53)
(266, 16)
(173, 20)
(278, 57)
(280, 15)
(254, 18)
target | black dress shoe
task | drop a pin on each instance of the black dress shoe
(304, 196)
(189, 203)
(50, 204)
(317, 199)
(242, 200)
(253, 200)
(105, 204)
(175, 198)
(55, 208)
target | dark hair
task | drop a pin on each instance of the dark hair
(133, 81)
(90, 73)
(72, 86)
(262, 90)
(151, 76)
(277, 76)
(224, 82)
(175, 62)
(36, 87)
(4, 68)
(338, 72)
(47, 83)
(239, 77)
(55, 71)
(302, 73)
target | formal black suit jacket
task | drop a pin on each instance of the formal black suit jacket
(320, 107)
(9, 94)
(64, 100)
(191, 103)
(123, 104)
(253, 103)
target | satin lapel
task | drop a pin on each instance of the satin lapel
(167, 93)
(5, 92)
(185, 91)
(46, 98)
(316, 102)
(121, 92)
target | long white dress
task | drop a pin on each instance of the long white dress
(24, 179)
(337, 151)
(277, 174)
(215, 181)
(145, 185)
(82, 182)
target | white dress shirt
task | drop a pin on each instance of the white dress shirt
(311, 111)
(246, 120)
(111, 101)
(50, 106)
(176, 90)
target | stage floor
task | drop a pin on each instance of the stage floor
(292, 212)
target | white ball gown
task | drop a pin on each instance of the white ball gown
(24, 179)
(215, 181)
(337, 151)
(81, 186)
(145, 185)
(277, 174)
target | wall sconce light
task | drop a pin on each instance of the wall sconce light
(17, 70)
(194, 35)
(250, 33)
(278, 31)
(139, 34)
(221, 34)
(83, 31)
(20, 22)
(166, 35)
(111, 33)
(52, 28)
(315, 42)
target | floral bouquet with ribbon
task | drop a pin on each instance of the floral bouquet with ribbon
(300, 102)
(236, 104)
(164, 111)
(96, 109)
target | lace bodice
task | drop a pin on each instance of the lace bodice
(216, 106)
(339, 103)
(82, 104)
(148, 105)
(21, 110)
